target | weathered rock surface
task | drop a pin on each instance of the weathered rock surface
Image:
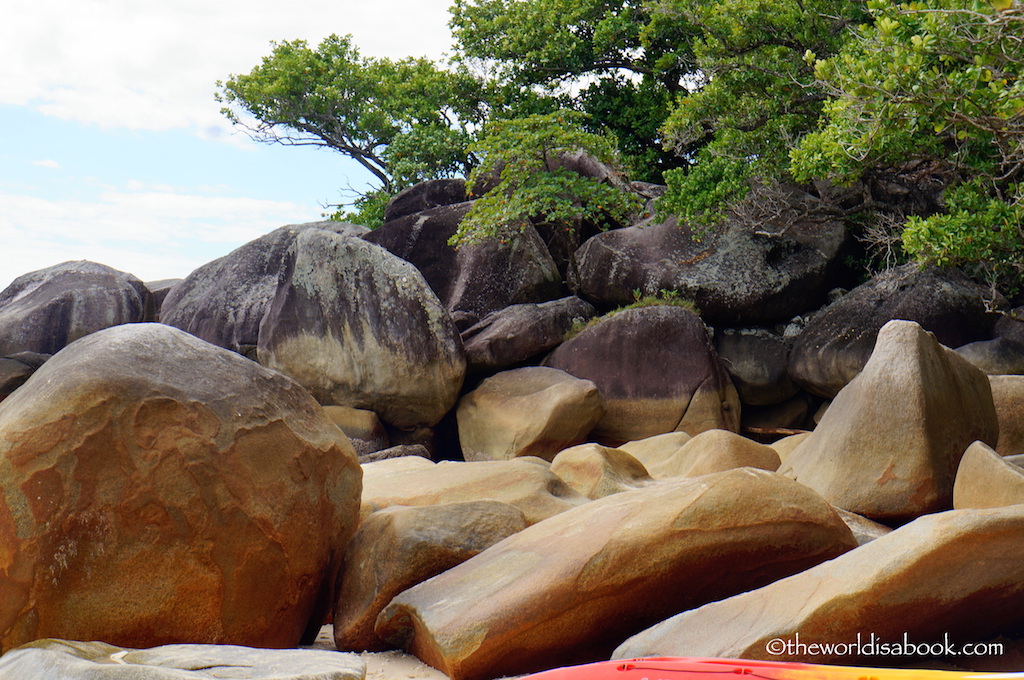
(510, 336)
(399, 451)
(836, 344)
(597, 471)
(224, 301)
(44, 310)
(398, 547)
(570, 588)
(740, 274)
(864, 529)
(70, 660)
(529, 411)
(889, 445)
(477, 279)
(16, 369)
(957, 573)
(432, 193)
(158, 489)
(358, 327)
(1008, 397)
(758, 363)
(526, 483)
(987, 480)
(657, 371)
(363, 429)
(715, 451)
(998, 356)
(653, 451)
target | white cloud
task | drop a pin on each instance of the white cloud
(154, 65)
(47, 163)
(151, 231)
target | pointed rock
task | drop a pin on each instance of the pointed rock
(889, 445)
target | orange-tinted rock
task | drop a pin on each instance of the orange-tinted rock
(526, 483)
(987, 480)
(571, 587)
(597, 471)
(957, 574)
(715, 451)
(157, 489)
(398, 547)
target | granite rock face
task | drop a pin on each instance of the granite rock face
(47, 309)
(359, 327)
(158, 489)
(570, 588)
(889, 445)
(224, 301)
(657, 371)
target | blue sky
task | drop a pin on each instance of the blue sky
(112, 147)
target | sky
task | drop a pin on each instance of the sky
(113, 148)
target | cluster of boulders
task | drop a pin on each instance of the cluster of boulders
(471, 454)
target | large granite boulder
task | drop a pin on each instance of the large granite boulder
(432, 193)
(954, 574)
(475, 279)
(837, 342)
(44, 310)
(739, 274)
(529, 411)
(657, 371)
(515, 334)
(73, 660)
(758, 363)
(158, 489)
(16, 369)
(224, 301)
(527, 483)
(572, 587)
(714, 451)
(399, 547)
(987, 480)
(359, 327)
(889, 445)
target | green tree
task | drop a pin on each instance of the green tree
(404, 121)
(521, 168)
(752, 96)
(612, 59)
(940, 82)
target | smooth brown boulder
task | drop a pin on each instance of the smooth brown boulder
(987, 480)
(652, 451)
(1008, 397)
(362, 427)
(572, 587)
(359, 327)
(597, 471)
(527, 483)
(715, 451)
(889, 445)
(398, 547)
(657, 370)
(958, 573)
(158, 489)
(529, 411)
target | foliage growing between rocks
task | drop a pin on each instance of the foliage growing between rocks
(662, 298)
(521, 157)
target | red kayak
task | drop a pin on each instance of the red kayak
(668, 668)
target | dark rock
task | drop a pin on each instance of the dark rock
(426, 195)
(758, 362)
(513, 335)
(224, 301)
(738, 275)
(656, 369)
(158, 291)
(359, 327)
(45, 310)
(158, 489)
(476, 279)
(837, 342)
